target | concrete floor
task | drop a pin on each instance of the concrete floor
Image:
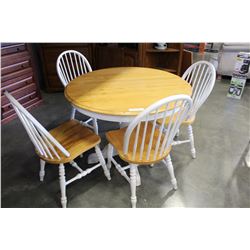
(218, 176)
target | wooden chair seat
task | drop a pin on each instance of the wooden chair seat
(75, 138)
(189, 121)
(116, 138)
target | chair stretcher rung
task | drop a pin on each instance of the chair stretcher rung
(179, 142)
(82, 174)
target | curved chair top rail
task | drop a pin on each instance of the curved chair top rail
(71, 64)
(175, 108)
(201, 75)
(43, 141)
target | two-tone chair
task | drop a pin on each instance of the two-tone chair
(201, 76)
(60, 145)
(144, 142)
(69, 65)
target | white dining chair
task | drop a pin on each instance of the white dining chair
(60, 145)
(144, 142)
(201, 76)
(69, 65)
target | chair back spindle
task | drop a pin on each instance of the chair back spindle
(201, 76)
(150, 141)
(45, 144)
(71, 64)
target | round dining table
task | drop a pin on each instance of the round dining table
(119, 94)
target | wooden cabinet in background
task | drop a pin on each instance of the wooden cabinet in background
(18, 76)
(114, 55)
(139, 54)
(131, 58)
(187, 60)
(49, 53)
(169, 59)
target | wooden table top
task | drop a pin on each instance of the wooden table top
(124, 90)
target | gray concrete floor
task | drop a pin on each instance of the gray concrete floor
(218, 176)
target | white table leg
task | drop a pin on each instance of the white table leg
(94, 159)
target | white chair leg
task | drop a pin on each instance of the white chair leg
(171, 172)
(133, 184)
(62, 181)
(42, 170)
(102, 161)
(247, 157)
(177, 133)
(110, 154)
(138, 177)
(95, 125)
(73, 113)
(191, 138)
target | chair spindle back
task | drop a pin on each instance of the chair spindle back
(201, 75)
(71, 64)
(43, 141)
(154, 139)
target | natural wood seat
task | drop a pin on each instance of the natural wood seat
(188, 121)
(116, 138)
(75, 138)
